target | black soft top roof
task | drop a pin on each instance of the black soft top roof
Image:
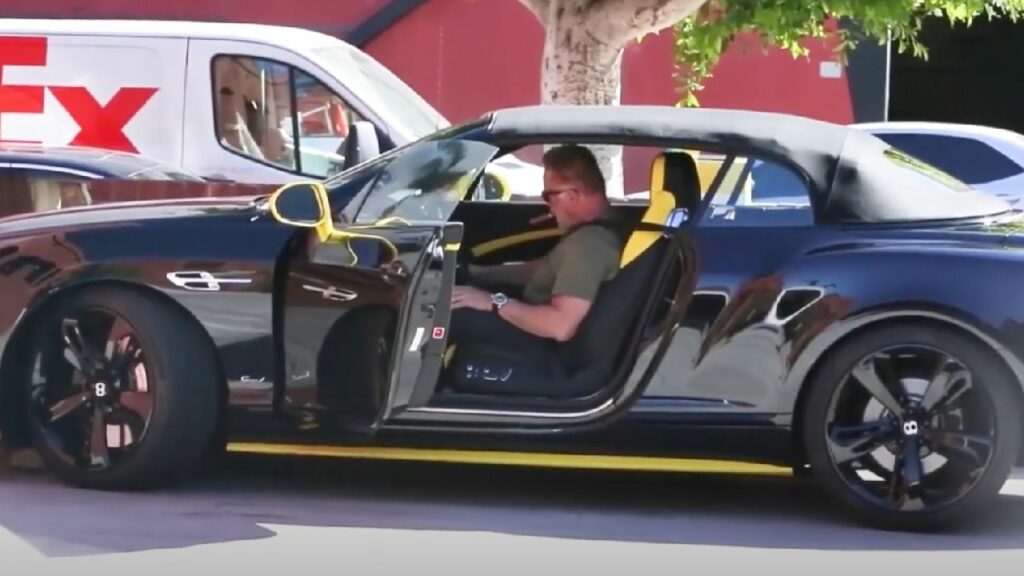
(853, 176)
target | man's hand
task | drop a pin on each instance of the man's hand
(470, 297)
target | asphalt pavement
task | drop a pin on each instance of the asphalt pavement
(274, 515)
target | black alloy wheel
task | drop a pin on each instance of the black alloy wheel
(93, 404)
(914, 428)
(123, 390)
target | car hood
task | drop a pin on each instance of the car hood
(127, 213)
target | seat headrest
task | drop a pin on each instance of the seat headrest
(681, 179)
(675, 185)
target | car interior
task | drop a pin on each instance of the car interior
(618, 326)
(26, 193)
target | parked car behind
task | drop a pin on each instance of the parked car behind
(987, 158)
(38, 178)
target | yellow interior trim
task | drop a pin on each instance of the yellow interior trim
(529, 459)
(658, 174)
(484, 248)
(448, 354)
(662, 204)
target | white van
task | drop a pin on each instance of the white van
(246, 102)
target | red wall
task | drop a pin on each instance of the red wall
(322, 14)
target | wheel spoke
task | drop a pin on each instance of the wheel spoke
(118, 338)
(98, 455)
(911, 469)
(68, 405)
(972, 449)
(869, 378)
(76, 350)
(124, 356)
(905, 484)
(946, 385)
(856, 441)
(140, 403)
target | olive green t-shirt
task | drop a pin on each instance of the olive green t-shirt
(577, 266)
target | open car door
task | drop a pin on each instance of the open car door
(367, 299)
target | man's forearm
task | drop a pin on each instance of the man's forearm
(516, 274)
(541, 319)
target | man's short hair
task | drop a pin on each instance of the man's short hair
(575, 162)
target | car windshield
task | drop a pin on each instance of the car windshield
(369, 79)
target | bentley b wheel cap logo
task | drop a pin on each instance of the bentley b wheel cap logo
(910, 428)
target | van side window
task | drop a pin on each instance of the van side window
(323, 121)
(279, 115)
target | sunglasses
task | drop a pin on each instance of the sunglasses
(547, 194)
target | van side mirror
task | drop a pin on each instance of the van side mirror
(361, 144)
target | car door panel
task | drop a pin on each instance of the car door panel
(366, 313)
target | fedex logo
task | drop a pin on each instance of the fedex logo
(99, 124)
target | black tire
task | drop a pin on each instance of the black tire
(997, 386)
(355, 390)
(182, 378)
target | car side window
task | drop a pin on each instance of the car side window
(966, 159)
(53, 190)
(755, 192)
(425, 183)
(279, 115)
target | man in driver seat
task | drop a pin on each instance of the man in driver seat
(557, 290)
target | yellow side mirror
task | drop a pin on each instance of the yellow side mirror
(305, 205)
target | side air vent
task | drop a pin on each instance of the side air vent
(791, 302)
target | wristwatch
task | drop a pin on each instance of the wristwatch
(497, 301)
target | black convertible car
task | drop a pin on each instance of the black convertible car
(795, 294)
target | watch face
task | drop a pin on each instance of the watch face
(499, 299)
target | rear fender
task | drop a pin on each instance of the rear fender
(962, 289)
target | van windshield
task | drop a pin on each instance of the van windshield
(371, 80)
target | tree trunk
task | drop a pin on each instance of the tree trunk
(583, 47)
(579, 68)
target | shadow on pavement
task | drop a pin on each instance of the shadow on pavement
(693, 509)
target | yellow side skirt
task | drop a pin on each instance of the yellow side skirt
(586, 461)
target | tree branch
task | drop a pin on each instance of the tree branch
(539, 8)
(617, 22)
